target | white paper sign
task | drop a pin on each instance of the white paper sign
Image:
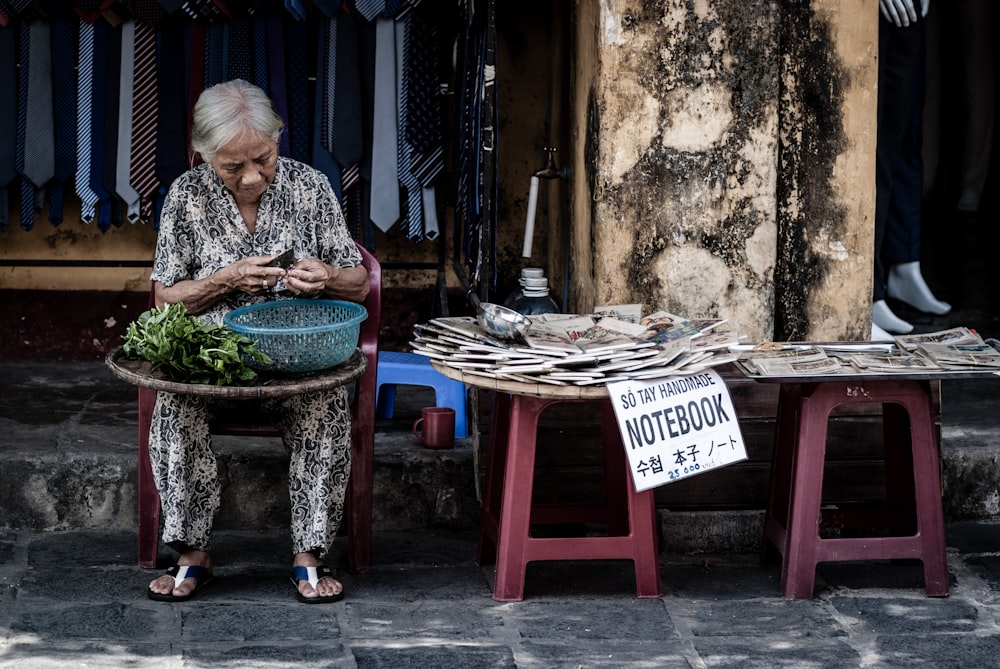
(676, 427)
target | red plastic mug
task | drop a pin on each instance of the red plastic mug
(438, 427)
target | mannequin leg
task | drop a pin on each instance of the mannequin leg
(907, 284)
(883, 318)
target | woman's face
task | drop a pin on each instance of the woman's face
(246, 166)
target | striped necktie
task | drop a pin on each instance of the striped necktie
(8, 119)
(414, 201)
(123, 148)
(142, 164)
(84, 107)
(370, 9)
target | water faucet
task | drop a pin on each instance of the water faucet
(550, 171)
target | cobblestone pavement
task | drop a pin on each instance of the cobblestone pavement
(76, 599)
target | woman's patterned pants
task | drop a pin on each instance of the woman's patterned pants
(316, 431)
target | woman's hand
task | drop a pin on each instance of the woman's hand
(308, 277)
(253, 275)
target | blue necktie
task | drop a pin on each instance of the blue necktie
(215, 54)
(8, 119)
(424, 120)
(370, 9)
(296, 9)
(298, 90)
(171, 94)
(276, 77)
(258, 36)
(414, 199)
(64, 109)
(240, 56)
(321, 158)
(347, 119)
(84, 123)
(39, 151)
(98, 122)
(112, 92)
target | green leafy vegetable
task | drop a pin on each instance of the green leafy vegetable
(189, 351)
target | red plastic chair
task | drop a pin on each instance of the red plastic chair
(358, 514)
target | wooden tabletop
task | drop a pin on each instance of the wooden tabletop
(539, 389)
(267, 385)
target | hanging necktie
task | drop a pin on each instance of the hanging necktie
(258, 37)
(123, 153)
(363, 189)
(171, 112)
(298, 90)
(24, 58)
(347, 128)
(424, 124)
(148, 12)
(326, 78)
(330, 7)
(84, 122)
(394, 9)
(8, 119)
(195, 80)
(39, 150)
(171, 6)
(370, 9)
(64, 110)
(385, 180)
(414, 202)
(296, 9)
(98, 125)
(112, 118)
(200, 10)
(142, 164)
(276, 75)
(216, 54)
(240, 56)
(321, 158)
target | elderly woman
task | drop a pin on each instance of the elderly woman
(221, 224)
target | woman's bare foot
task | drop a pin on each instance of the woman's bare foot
(164, 585)
(325, 587)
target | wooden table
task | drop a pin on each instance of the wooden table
(508, 512)
(911, 517)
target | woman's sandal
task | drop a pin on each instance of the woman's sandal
(201, 575)
(313, 575)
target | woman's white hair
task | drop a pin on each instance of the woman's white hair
(230, 109)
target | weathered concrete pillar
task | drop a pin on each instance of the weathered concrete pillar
(724, 161)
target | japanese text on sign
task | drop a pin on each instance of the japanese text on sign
(676, 427)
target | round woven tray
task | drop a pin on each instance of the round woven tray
(139, 373)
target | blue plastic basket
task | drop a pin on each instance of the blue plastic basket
(300, 335)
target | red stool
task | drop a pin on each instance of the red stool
(508, 512)
(913, 485)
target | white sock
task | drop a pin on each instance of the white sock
(907, 284)
(883, 317)
(878, 334)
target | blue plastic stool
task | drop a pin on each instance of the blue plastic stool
(411, 369)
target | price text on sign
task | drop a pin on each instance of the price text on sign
(676, 427)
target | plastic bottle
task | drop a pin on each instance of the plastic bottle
(536, 298)
(526, 273)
